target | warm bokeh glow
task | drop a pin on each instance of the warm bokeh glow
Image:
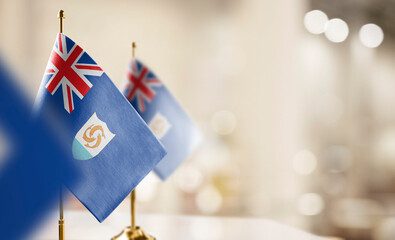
(371, 35)
(315, 21)
(336, 30)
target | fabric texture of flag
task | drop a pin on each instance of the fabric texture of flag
(163, 114)
(113, 147)
(30, 178)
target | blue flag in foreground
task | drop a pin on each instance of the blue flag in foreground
(163, 115)
(32, 164)
(113, 147)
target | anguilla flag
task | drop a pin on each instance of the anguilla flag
(112, 146)
(163, 114)
(33, 164)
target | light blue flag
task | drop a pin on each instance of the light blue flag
(113, 147)
(163, 115)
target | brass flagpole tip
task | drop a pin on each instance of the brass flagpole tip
(61, 14)
(133, 49)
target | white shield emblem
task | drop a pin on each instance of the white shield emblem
(159, 125)
(91, 139)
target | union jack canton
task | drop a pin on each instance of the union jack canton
(67, 67)
(140, 83)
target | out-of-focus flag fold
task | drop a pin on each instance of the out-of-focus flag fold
(33, 164)
(112, 146)
(163, 115)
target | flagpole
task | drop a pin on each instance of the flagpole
(61, 16)
(133, 209)
(61, 219)
(133, 232)
(133, 194)
(133, 49)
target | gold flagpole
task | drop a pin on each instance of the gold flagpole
(133, 195)
(133, 232)
(61, 16)
(133, 209)
(61, 220)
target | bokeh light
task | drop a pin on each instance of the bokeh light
(315, 21)
(304, 162)
(337, 159)
(371, 35)
(188, 178)
(213, 154)
(328, 108)
(385, 144)
(336, 30)
(334, 184)
(209, 200)
(310, 204)
(147, 188)
(223, 122)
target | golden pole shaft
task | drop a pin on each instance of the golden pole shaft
(133, 49)
(61, 16)
(133, 209)
(61, 220)
(133, 195)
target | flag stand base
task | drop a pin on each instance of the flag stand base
(135, 234)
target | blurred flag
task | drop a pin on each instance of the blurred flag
(113, 146)
(164, 116)
(32, 163)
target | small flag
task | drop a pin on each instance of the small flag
(113, 147)
(163, 114)
(33, 164)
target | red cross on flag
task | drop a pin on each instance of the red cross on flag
(140, 84)
(69, 71)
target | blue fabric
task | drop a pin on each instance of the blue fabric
(32, 164)
(134, 151)
(182, 137)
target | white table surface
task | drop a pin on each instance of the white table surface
(81, 225)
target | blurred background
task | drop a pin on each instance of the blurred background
(295, 100)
